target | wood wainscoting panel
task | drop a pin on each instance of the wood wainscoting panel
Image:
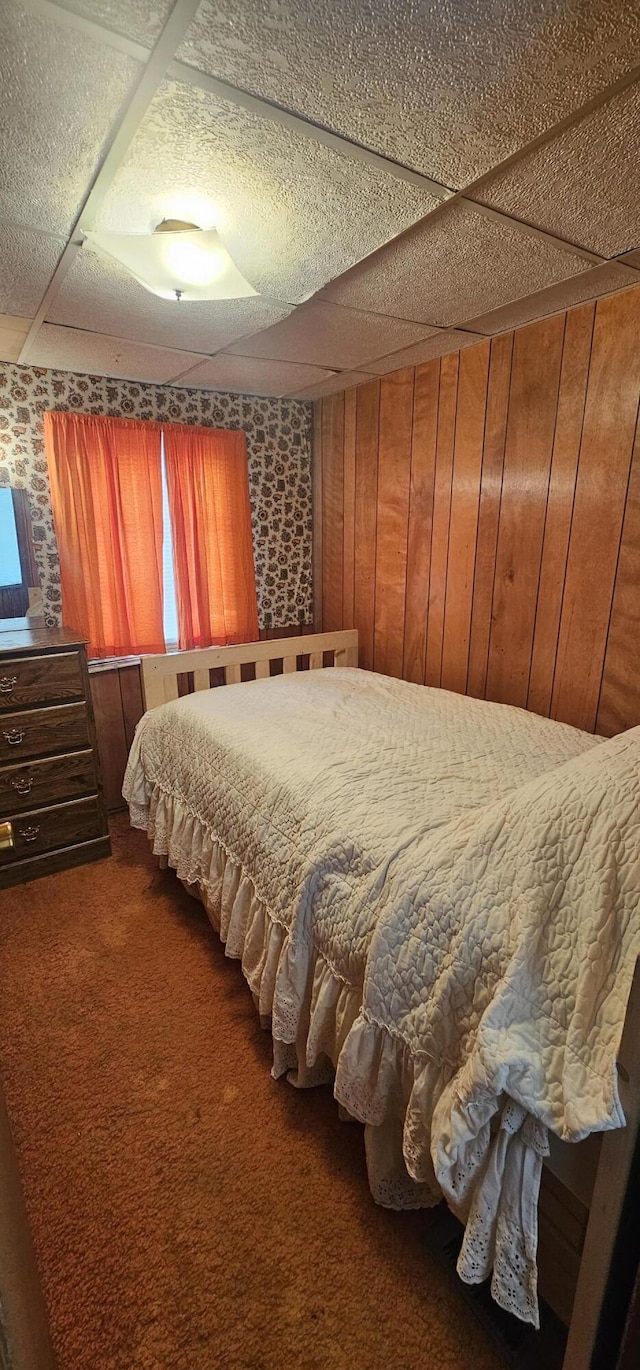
(423, 468)
(495, 433)
(486, 536)
(365, 518)
(620, 694)
(349, 503)
(446, 433)
(394, 475)
(564, 466)
(465, 503)
(535, 379)
(332, 509)
(601, 491)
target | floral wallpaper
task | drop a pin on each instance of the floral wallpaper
(279, 452)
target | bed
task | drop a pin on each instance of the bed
(317, 814)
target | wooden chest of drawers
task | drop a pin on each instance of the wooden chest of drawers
(52, 812)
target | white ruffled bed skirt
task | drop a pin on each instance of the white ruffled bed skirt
(320, 1035)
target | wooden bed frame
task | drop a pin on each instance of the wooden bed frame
(584, 1185)
(162, 675)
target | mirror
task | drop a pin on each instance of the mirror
(20, 592)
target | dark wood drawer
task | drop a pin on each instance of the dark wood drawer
(46, 782)
(40, 679)
(43, 829)
(39, 732)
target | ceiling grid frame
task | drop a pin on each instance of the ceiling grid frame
(178, 20)
(159, 63)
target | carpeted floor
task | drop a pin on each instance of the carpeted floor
(190, 1213)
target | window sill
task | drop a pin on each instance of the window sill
(112, 663)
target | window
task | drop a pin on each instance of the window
(153, 525)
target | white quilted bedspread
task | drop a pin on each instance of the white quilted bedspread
(502, 962)
(342, 795)
(317, 784)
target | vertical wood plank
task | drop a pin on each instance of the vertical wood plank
(564, 465)
(441, 515)
(489, 511)
(332, 509)
(316, 506)
(131, 695)
(349, 500)
(110, 731)
(366, 506)
(396, 417)
(601, 489)
(619, 706)
(465, 501)
(535, 377)
(423, 465)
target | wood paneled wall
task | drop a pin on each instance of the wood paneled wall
(477, 518)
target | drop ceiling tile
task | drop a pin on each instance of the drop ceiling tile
(98, 294)
(291, 212)
(447, 340)
(92, 354)
(603, 280)
(333, 385)
(61, 93)
(142, 21)
(13, 332)
(252, 375)
(453, 265)
(584, 185)
(449, 89)
(327, 335)
(27, 263)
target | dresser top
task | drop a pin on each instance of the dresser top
(18, 635)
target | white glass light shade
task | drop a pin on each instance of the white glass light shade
(195, 263)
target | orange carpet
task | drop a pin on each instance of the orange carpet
(188, 1212)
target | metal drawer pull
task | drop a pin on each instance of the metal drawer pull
(23, 784)
(7, 684)
(30, 833)
(6, 837)
(14, 736)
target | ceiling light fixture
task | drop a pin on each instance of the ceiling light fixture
(178, 261)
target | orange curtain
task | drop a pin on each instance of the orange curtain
(106, 492)
(215, 580)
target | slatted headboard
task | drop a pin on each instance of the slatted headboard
(160, 673)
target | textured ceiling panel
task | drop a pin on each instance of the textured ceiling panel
(27, 262)
(142, 20)
(326, 335)
(583, 185)
(344, 381)
(69, 349)
(60, 95)
(457, 264)
(13, 332)
(100, 295)
(292, 213)
(601, 281)
(252, 376)
(448, 88)
(451, 340)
